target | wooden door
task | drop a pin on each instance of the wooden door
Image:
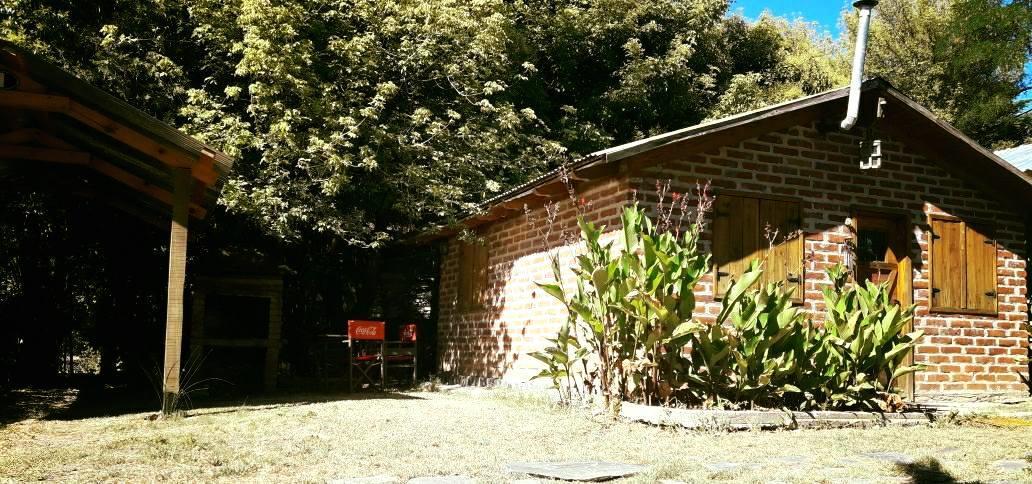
(882, 253)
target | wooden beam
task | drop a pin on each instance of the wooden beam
(19, 136)
(141, 185)
(154, 219)
(44, 154)
(176, 287)
(101, 166)
(34, 101)
(172, 157)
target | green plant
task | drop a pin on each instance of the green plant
(631, 307)
(753, 353)
(631, 330)
(559, 359)
(863, 349)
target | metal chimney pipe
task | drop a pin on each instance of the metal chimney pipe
(857, 80)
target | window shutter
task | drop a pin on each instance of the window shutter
(948, 260)
(465, 279)
(980, 257)
(480, 275)
(785, 259)
(736, 237)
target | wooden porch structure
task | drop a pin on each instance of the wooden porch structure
(50, 120)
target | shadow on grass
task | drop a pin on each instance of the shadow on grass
(90, 401)
(926, 471)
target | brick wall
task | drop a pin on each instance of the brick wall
(492, 343)
(965, 353)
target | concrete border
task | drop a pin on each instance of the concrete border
(696, 419)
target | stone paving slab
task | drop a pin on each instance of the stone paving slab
(1012, 465)
(366, 480)
(731, 466)
(575, 471)
(442, 480)
(894, 457)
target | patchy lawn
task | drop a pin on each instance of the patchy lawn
(476, 433)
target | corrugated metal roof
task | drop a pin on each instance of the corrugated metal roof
(1020, 156)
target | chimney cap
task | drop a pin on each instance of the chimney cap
(865, 3)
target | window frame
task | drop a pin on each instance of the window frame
(799, 298)
(932, 308)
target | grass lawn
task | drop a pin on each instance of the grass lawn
(476, 433)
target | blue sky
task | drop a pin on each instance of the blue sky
(825, 12)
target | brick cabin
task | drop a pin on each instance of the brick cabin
(790, 167)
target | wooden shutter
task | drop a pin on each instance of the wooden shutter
(980, 258)
(480, 275)
(736, 237)
(948, 261)
(785, 259)
(466, 256)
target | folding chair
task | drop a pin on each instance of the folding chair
(365, 352)
(404, 352)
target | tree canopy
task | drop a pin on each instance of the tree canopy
(368, 120)
(359, 122)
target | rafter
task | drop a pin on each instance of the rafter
(202, 167)
(69, 157)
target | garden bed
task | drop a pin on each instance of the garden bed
(697, 419)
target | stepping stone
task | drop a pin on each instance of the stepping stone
(366, 480)
(575, 471)
(1012, 465)
(442, 480)
(894, 457)
(730, 466)
(791, 459)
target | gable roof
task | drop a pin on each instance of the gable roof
(1019, 156)
(924, 130)
(52, 116)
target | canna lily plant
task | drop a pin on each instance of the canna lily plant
(863, 349)
(632, 335)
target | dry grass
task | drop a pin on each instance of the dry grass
(474, 433)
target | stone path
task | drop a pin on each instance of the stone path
(575, 471)
(604, 471)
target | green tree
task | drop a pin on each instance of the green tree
(963, 59)
(796, 61)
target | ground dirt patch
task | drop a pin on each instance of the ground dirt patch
(477, 433)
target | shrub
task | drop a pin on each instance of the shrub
(630, 307)
(632, 330)
(862, 349)
(753, 353)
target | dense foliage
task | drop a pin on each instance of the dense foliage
(963, 59)
(359, 122)
(367, 119)
(633, 334)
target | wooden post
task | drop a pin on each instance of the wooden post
(176, 285)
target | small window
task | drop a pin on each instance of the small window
(963, 267)
(741, 227)
(473, 260)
